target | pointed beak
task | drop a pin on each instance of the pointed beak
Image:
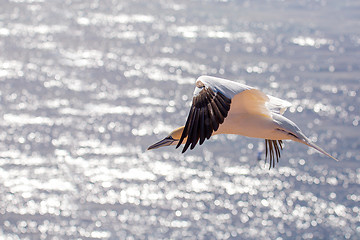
(165, 142)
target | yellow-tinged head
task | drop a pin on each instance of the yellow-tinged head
(172, 139)
(176, 134)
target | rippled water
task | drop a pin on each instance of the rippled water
(86, 86)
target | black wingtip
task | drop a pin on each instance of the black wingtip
(273, 147)
(208, 111)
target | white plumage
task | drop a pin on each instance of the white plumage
(221, 106)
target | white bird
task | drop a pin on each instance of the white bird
(220, 106)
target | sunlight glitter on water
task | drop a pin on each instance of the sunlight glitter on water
(211, 32)
(312, 42)
(105, 19)
(81, 101)
(24, 119)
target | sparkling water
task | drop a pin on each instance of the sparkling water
(87, 86)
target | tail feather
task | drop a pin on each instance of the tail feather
(295, 134)
(303, 139)
(313, 145)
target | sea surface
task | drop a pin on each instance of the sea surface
(87, 86)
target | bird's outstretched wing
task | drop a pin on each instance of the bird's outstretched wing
(208, 111)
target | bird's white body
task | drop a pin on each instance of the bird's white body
(248, 125)
(221, 106)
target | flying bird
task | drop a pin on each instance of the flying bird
(221, 106)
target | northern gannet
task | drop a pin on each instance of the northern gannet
(221, 106)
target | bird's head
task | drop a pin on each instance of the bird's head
(172, 139)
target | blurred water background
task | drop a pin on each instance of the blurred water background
(86, 86)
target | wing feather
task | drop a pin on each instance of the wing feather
(214, 122)
(273, 147)
(209, 109)
(208, 125)
(186, 128)
(195, 130)
(219, 117)
(221, 108)
(190, 134)
(223, 101)
(202, 125)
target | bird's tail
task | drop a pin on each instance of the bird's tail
(313, 145)
(295, 134)
(303, 139)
